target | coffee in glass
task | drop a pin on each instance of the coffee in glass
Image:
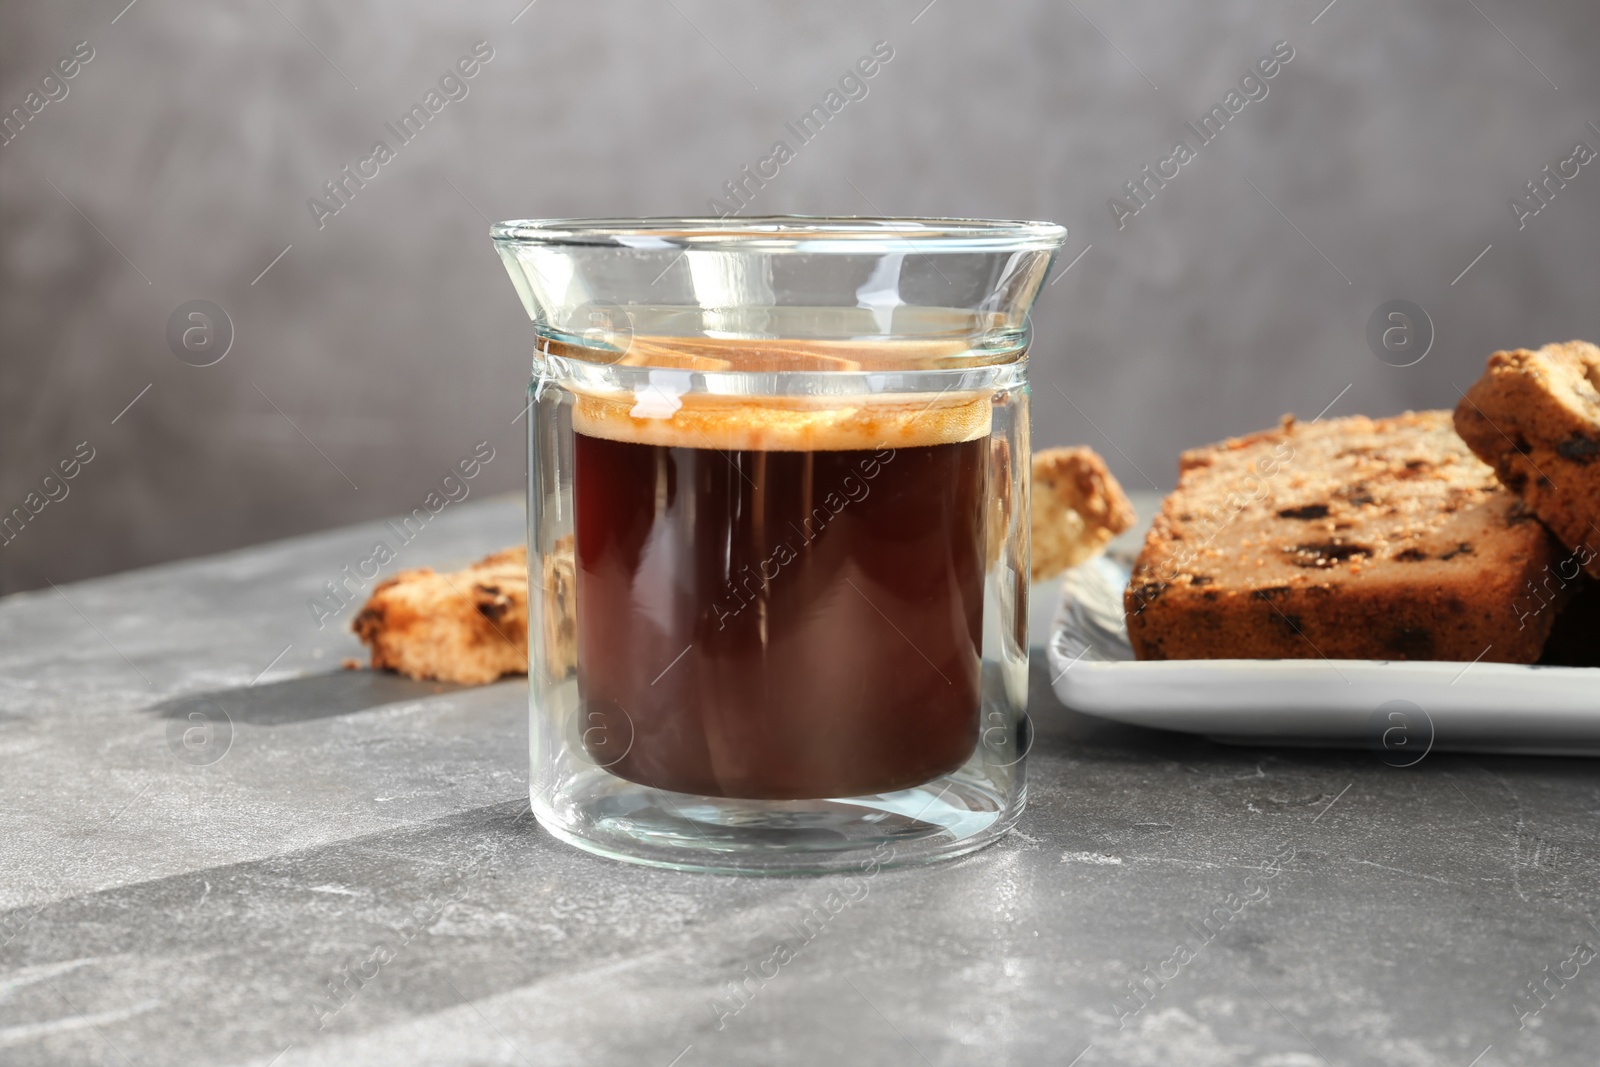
(775, 493)
(797, 620)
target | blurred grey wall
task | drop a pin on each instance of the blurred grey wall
(176, 165)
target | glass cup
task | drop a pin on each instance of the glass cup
(778, 526)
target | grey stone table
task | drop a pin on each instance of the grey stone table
(341, 871)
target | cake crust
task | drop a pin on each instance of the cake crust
(1352, 538)
(1534, 417)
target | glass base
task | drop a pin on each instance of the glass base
(947, 817)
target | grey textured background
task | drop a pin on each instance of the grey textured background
(392, 340)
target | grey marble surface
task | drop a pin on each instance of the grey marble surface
(159, 911)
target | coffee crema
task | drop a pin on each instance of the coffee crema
(656, 416)
(780, 598)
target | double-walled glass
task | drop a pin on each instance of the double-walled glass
(778, 535)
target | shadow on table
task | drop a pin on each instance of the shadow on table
(316, 696)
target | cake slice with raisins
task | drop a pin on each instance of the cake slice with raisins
(1352, 538)
(1534, 417)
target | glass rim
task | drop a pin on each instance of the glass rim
(785, 233)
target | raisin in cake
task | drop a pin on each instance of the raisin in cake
(1535, 418)
(1347, 539)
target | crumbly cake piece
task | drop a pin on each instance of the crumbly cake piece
(1347, 539)
(468, 626)
(471, 626)
(1078, 507)
(1535, 417)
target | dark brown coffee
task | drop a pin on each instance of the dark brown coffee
(780, 624)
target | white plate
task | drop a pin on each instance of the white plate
(1400, 709)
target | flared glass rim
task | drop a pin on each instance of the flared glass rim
(785, 233)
